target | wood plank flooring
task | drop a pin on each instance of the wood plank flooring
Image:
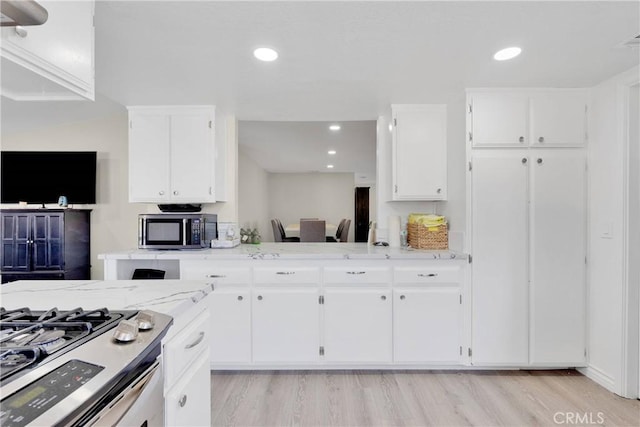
(415, 398)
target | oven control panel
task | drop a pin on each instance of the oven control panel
(31, 401)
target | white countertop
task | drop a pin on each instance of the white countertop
(290, 251)
(171, 297)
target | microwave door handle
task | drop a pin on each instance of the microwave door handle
(142, 232)
(184, 231)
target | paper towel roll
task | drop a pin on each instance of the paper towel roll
(394, 231)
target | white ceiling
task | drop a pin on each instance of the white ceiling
(339, 61)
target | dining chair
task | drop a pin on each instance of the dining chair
(283, 234)
(338, 231)
(313, 231)
(277, 236)
(344, 235)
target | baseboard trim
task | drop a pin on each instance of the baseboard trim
(599, 377)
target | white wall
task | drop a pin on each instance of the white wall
(253, 196)
(606, 159)
(113, 218)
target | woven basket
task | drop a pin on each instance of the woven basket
(422, 237)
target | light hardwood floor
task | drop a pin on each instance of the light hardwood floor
(412, 398)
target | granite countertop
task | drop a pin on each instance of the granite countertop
(290, 251)
(171, 297)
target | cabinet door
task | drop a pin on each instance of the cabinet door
(230, 326)
(16, 242)
(188, 403)
(286, 325)
(499, 119)
(192, 166)
(427, 325)
(419, 152)
(500, 259)
(149, 157)
(357, 325)
(48, 241)
(558, 229)
(558, 118)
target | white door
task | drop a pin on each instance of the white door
(149, 157)
(558, 239)
(500, 258)
(191, 157)
(188, 403)
(499, 119)
(286, 324)
(230, 310)
(420, 152)
(558, 118)
(357, 325)
(427, 325)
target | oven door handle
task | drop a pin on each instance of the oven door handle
(113, 413)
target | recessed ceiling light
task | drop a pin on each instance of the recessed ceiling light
(332, 152)
(265, 54)
(508, 53)
(329, 166)
(334, 127)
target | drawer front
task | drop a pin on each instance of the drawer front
(427, 274)
(285, 275)
(355, 274)
(185, 346)
(225, 275)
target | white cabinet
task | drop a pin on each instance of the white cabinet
(171, 154)
(286, 324)
(230, 325)
(52, 61)
(427, 314)
(528, 245)
(522, 118)
(188, 403)
(419, 152)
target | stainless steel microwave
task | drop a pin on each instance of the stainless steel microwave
(177, 231)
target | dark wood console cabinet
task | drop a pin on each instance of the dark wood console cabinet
(45, 244)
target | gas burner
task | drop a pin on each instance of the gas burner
(13, 359)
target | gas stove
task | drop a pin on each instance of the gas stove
(71, 367)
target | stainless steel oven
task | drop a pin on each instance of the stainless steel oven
(81, 368)
(176, 231)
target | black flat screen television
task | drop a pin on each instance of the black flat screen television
(43, 176)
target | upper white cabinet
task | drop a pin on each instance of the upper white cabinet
(52, 61)
(171, 154)
(419, 152)
(522, 118)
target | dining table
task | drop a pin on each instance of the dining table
(293, 230)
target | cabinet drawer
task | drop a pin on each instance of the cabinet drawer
(235, 276)
(427, 274)
(283, 275)
(351, 275)
(185, 346)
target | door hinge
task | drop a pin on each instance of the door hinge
(460, 350)
(395, 188)
(470, 352)
(585, 353)
(395, 122)
(460, 298)
(321, 299)
(470, 136)
(470, 259)
(470, 109)
(210, 191)
(210, 124)
(130, 124)
(321, 351)
(470, 166)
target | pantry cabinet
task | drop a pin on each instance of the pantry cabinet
(53, 61)
(527, 118)
(171, 154)
(419, 152)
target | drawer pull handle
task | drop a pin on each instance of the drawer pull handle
(216, 276)
(182, 401)
(285, 273)
(356, 272)
(196, 342)
(428, 275)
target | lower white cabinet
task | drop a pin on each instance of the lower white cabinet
(357, 325)
(427, 325)
(230, 325)
(188, 402)
(286, 324)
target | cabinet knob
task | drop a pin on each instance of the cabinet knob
(383, 298)
(240, 298)
(539, 161)
(259, 297)
(161, 193)
(439, 190)
(541, 139)
(521, 139)
(182, 401)
(175, 192)
(402, 297)
(524, 160)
